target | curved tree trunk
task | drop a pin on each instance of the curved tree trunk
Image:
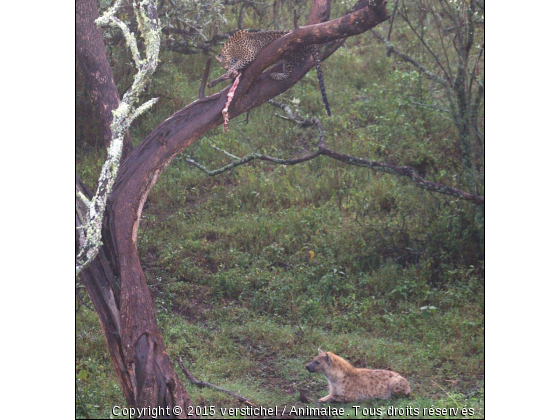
(91, 55)
(146, 372)
(100, 280)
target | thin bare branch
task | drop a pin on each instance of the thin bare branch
(391, 25)
(437, 108)
(322, 150)
(475, 69)
(404, 15)
(408, 59)
(202, 384)
(204, 79)
(249, 158)
(440, 32)
(82, 301)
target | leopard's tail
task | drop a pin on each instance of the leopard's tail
(315, 53)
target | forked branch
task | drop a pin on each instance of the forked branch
(323, 150)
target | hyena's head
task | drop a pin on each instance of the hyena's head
(320, 363)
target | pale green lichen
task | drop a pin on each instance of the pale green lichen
(83, 198)
(123, 116)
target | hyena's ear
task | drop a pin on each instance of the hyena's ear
(329, 360)
(320, 351)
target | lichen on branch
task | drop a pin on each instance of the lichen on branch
(123, 116)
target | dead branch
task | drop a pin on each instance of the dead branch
(322, 150)
(202, 384)
(404, 15)
(391, 48)
(82, 302)
(391, 25)
(204, 79)
(214, 82)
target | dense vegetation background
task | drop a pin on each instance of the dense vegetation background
(252, 270)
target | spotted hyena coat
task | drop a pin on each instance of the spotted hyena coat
(347, 383)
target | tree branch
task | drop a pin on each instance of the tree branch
(322, 150)
(390, 47)
(351, 24)
(202, 384)
(204, 79)
(146, 15)
(404, 15)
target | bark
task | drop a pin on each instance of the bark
(137, 349)
(100, 280)
(92, 58)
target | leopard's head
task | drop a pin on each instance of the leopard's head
(234, 48)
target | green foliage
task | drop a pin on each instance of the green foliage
(97, 388)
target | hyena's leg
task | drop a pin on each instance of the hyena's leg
(325, 399)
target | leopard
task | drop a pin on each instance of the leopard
(242, 47)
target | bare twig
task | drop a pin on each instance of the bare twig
(430, 106)
(404, 15)
(214, 82)
(322, 150)
(204, 79)
(408, 59)
(202, 384)
(249, 158)
(82, 301)
(475, 69)
(440, 33)
(391, 25)
(241, 15)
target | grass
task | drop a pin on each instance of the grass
(263, 358)
(252, 270)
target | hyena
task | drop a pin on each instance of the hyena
(347, 383)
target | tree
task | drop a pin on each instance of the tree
(91, 56)
(114, 279)
(453, 69)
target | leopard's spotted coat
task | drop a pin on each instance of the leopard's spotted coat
(242, 47)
